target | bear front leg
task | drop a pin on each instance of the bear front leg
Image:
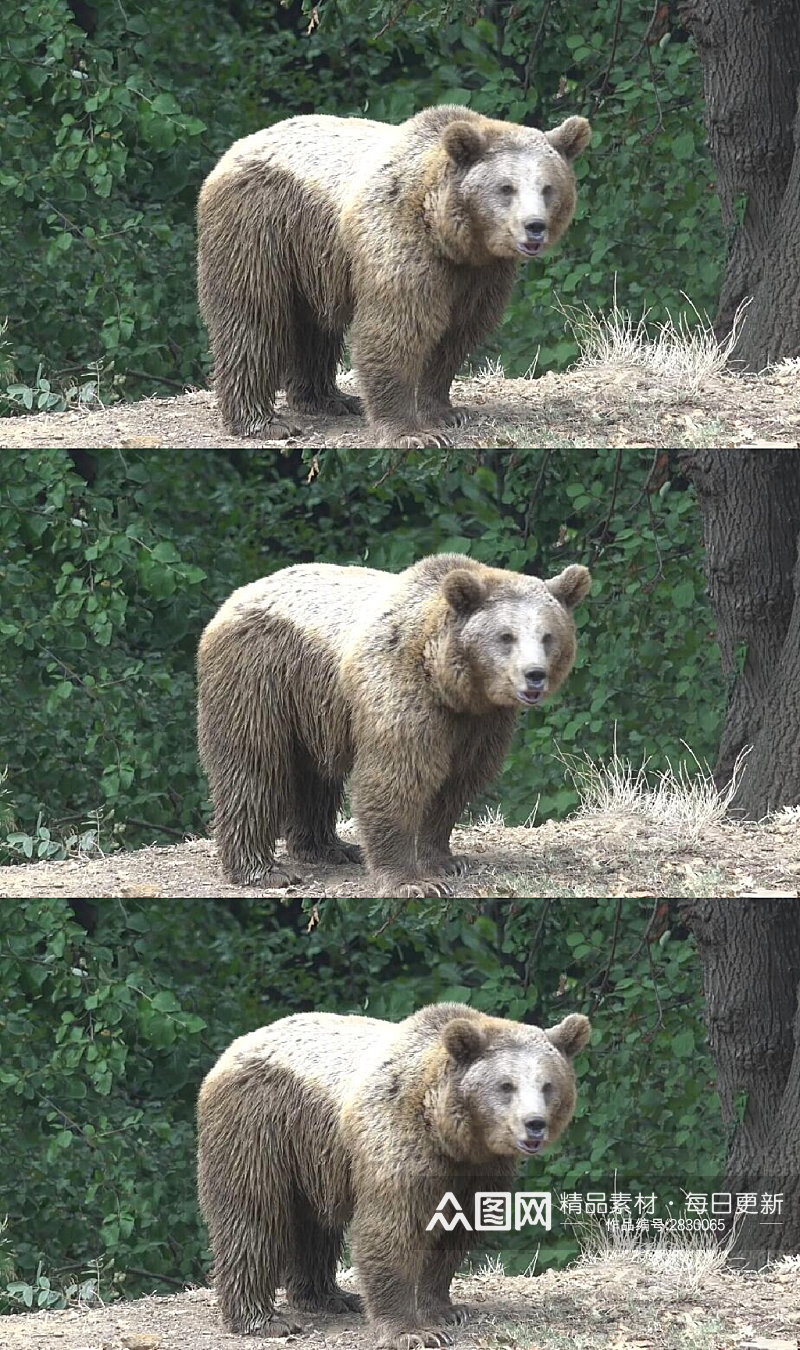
(389, 1267)
(475, 761)
(393, 334)
(389, 797)
(433, 1287)
(433, 840)
(433, 395)
(476, 311)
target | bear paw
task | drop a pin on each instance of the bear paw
(335, 404)
(450, 863)
(425, 440)
(261, 874)
(266, 1324)
(456, 1314)
(337, 851)
(395, 438)
(415, 1339)
(419, 888)
(337, 1301)
(265, 428)
(447, 415)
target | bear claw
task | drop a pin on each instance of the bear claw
(425, 888)
(269, 1326)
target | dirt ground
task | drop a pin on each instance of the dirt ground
(612, 855)
(599, 406)
(611, 1304)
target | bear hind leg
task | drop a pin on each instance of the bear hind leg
(311, 820)
(311, 1265)
(247, 311)
(311, 374)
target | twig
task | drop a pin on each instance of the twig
(534, 46)
(534, 947)
(534, 496)
(165, 1279)
(163, 829)
(645, 42)
(393, 20)
(660, 1020)
(648, 585)
(612, 953)
(160, 379)
(607, 521)
(604, 81)
(653, 132)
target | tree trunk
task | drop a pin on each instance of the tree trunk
(750, 501)
(750, 952)
(750, 55)
(772, 327)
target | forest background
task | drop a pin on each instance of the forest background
(114, 1010)
(111, 574)
(114, 114)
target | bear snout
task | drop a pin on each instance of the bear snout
(535, 1136)
(535, 237)
(535, 686)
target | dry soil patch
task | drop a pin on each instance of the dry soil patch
(613, 855)
(612, 1305)
(613, 406)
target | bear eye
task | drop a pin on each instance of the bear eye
(507, 639)
(506, 189)
(507, 1086)
(547, 1088)
(547, 192)
(547, 640)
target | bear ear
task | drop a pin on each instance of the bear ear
(463, 1039)
(463, 142)
(571, 585)
(571, 137)
(464, 591)
(571, 1035)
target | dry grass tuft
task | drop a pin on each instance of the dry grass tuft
(684, 351)
(685, 1261)
(685, 799)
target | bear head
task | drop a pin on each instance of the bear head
(510, 1087)
(508, 640)
(512, 189)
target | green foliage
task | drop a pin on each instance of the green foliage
(104, 1039)
(106, 590)
(106, 137)
(87, 582)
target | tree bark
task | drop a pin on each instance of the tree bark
(772, 327)
(750, 953)
(750, 55)
(750, 502)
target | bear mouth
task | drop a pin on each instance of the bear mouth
(530, 697)
(530, 1146)
(531, 248)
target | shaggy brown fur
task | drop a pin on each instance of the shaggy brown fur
(318, 1120)
(413, 682)
(413, 233)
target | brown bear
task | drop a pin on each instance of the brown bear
(411, 683)
(318, 1121)
(411, 234)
